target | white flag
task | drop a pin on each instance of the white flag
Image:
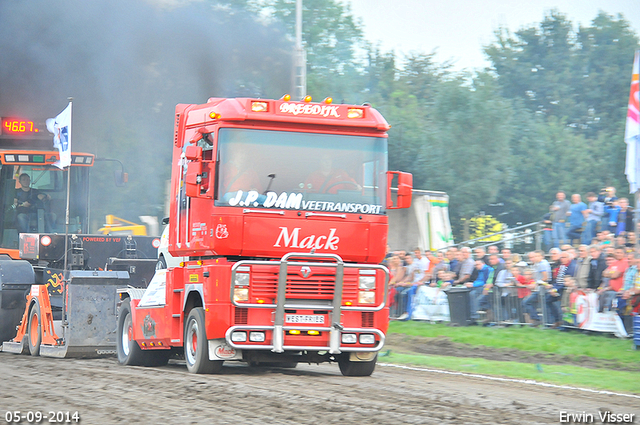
(60, 127)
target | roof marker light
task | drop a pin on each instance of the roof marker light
(307, 99)
(328, 100)
(355, 113)
(286, 97)
(259, 106)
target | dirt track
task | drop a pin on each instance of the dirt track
(105, 393)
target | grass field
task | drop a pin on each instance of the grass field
(576, 348)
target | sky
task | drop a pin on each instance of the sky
(457, 29)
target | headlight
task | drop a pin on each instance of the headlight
(240, 294)
(366, 297)
(239, 337)
(242, 279)
(256, 336)
(367, 339)
(367, 282)
(349, 338)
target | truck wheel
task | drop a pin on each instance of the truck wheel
(129, 352)
(196, 347)
(34, 337)
(350, 368)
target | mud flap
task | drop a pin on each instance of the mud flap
(220, 350)
(89, 325)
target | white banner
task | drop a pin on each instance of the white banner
(588, 317)
(431, 304)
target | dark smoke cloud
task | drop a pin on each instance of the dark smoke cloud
(127, 63)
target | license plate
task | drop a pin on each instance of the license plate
(304, 318)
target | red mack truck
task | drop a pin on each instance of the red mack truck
(280, 208)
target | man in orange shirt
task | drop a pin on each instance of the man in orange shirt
(613, 278)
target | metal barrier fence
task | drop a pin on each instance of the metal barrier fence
(507, 308)
(501, 306)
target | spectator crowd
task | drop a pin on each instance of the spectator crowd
(591, 249)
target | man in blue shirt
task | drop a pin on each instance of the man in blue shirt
(477, 286)
(576, 217)
(594, 214)
(542, 275)
(559, 212)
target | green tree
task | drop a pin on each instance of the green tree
(569, 89)
(330, 37)
(469, 152)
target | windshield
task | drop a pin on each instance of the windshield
(33, 199)
(308, 171)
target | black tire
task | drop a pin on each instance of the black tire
(196, 347)
(129, 352)
(34, 335)
(350, 368)
(161, 264)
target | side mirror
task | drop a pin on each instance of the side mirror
(193, 153)
(193, 179)
(405, 187)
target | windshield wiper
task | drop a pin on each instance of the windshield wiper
(271, 176)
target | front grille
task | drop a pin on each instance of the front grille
(319, 284)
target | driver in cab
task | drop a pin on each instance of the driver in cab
(328, 179)
(238, 172)
(26, 201)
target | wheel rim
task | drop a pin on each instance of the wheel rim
(34, 331)
(127, 334)
(192, 343)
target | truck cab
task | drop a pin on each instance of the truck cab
(280, 208)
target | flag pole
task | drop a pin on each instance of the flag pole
(65, 323)
(632, 140)
(66, 220)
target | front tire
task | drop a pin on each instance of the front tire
(34, 338)
(351, 368)
(196, 346)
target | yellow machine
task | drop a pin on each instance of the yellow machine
(119, 226)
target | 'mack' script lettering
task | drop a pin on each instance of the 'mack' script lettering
(292, 240)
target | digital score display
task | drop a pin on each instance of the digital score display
(17, 127)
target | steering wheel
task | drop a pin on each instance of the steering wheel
(354, 184)
(42, 204)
